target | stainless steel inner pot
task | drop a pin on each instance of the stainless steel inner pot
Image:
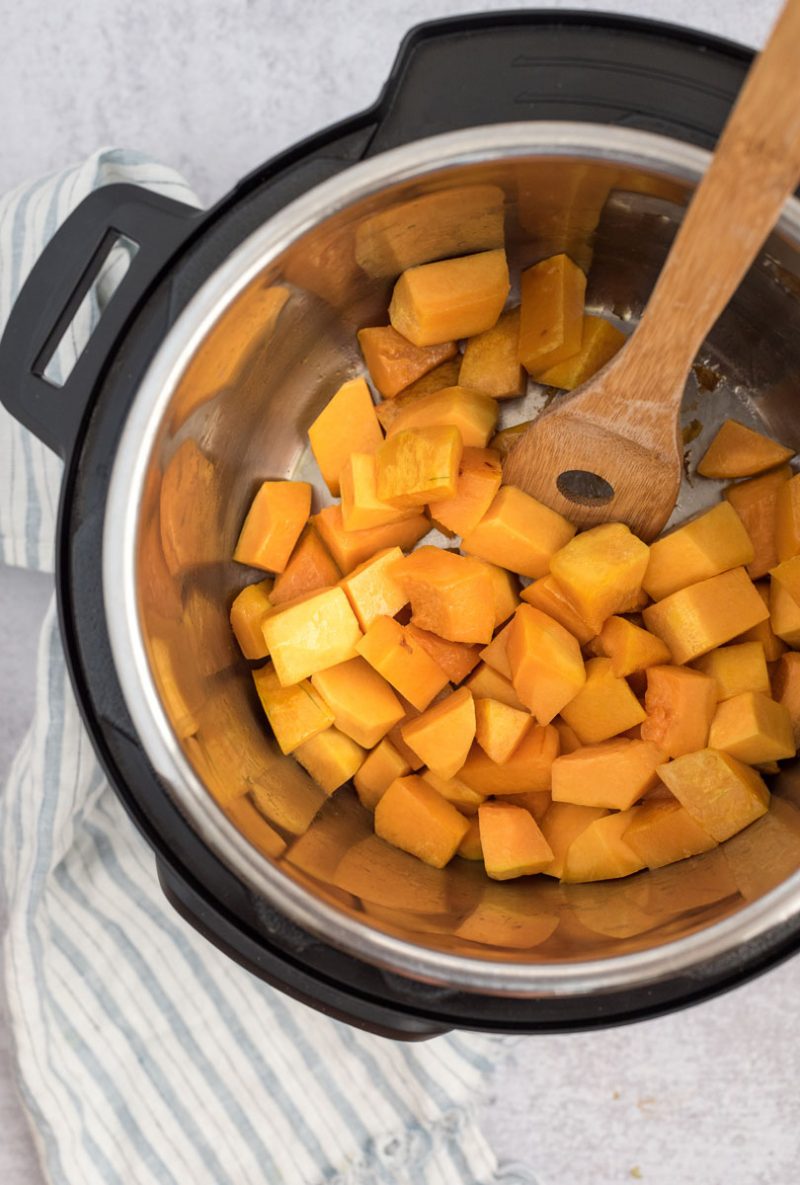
(227, 403)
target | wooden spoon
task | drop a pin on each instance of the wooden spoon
(611, 450)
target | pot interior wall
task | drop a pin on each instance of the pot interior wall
(240, 414)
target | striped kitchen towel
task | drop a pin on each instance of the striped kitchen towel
(146, 1057)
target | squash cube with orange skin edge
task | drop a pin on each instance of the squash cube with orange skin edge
(486, 683)
(473, 414)
(296, 713)
(736, 668)
(456, 659)
(722, 794)
(394, 362)
(547, 668)
(787, 519)
(697, 619)
(562, 823)
(442, 736)
(738, 451)
(479, 477)
(630, 648)
(403, 663)
(363, 704)
(372, 589)
(511, 841)
(604, 706)
(247, 614)
(756, 503)
(599, 852)
(309, 636)
(528, 768)
(352, 548)
(680, 706)
(613, 774)
(451, 595)
(470, 847)
(450, 299)
(600, 341)
(491, 360)
(310, 567)
(361, 506)
(551, 313)
(546, 595)
(331, 758)
(495, 655)
(519, 533)
(379, 770)
(456, 792)
(786, 689)
(664, 832)
(600, 571)
(784, 612)
(418, 465)
(713, 542)
(347, 424)
(499, 729)
(414, 817)
(754, 728)
(273, 524)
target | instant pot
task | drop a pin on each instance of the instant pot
(230, 330)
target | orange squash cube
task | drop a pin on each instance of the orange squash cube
(352, 548)
(546, 665)
(756, 501)
(546, 595)
(487, 683)
(535, 802)
(600, 853)
(450, 299)
(528, 767)
(736, 669)
(567, 737)
(273, 524)
(786, 689)
(331, 758)
(787, 519)
(403, 663)
(347, 424)
(473, 414)
(784, 611)
(738, 451)
(418, 465)
(394, 362)
(310, 567)
(511, 841)
(604, 707)
(312, 634)
(505, 589)
(456, 659)
(451, 595)
(664, 832)
(412, 816)
(551, 315)
(296, 713)
(372, 589)
(499, 729)
(562, 823)
(713, 542)
(442, 376)
(395, 735)
(720, 793)
(680, 706)
(614, 774)
(491, 360)
(363, 704)
(247, 615)
(456, 792)
(753, 728)
(600, 341)
(630, 648)
(361, 506)
(787, 574)
(381, 767)
(495, 655)
(600, 571)
(470, 846)
(763, 632)
(503, 441)
(697, 619)
(479, 477)
(519, 533)
(442, 736)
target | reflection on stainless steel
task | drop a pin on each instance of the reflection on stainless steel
(228, 403)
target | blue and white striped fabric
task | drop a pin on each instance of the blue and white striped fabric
(145, 1056)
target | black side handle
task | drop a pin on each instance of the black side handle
(54, 290)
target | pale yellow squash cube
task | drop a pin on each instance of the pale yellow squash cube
(600, 571)
(296, 713)
(713, 542)
(331, 758)
(737, 668)
(347, 424)
(722, 794)
(519, 533)
(319, 632)
(363, 704)
(418, 465)
(604, 706)
(753, 728)
(413, 816)
(697, 619)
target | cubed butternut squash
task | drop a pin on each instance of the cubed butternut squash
(512, 842)
(599, 851)
(403, 663)
(787, 519)
(273, 524)
(753, 728)
(414, 817)
(614, 774)
(713, 542)
(630, 648)
(600, 571)
(473, 414)
(479, 477)
(786, 689)
(784, 612)
(536, 802)
(486, 683)
(352, 548)
(504, 440)
(394, 362)
(311, 635)
(363, 704)
(551, 313)
(546, 595)
(470, 847)
(361, 506)
(247, 615)
(450, 299)
(739, 451)
(455, 791)
(499, 728)
(680, 705)
(505, 590)
(695, 620)
(491, 360)
(562, 823)
(418, 465)
(568, 738)
(372, 589)
(347, 424)
(600, 341)
(495, 655)
(763, 631)
(604, 707)
(519, 533)
(722, 794)
(380, 768)
(310, 567)
(296, 713)
(547, 668)
(735, 669)
(442, 736)
(528, 767)
(450, 595)
(756, 501)
(331, 758)
(664, 832)
(456, 659)
(437, 379)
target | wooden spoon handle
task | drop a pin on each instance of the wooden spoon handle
(758, 161)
